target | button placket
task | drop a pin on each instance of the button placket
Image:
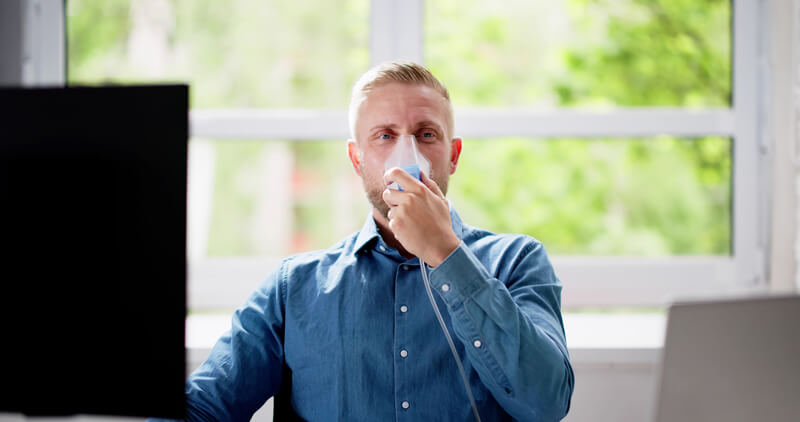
(404, 292)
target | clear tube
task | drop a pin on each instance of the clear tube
(449, 339)
(407, 156)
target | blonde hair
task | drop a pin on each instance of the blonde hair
(396, 71)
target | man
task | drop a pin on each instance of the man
(348, 333)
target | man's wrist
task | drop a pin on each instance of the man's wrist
(444, 251)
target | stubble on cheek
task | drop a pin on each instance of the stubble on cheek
(374, 191)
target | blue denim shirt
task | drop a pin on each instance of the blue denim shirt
(348, 333)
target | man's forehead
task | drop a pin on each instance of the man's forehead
(408, 91)
(395, 100)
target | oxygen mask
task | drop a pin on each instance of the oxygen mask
(406, 155)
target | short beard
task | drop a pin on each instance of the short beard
(375, 196)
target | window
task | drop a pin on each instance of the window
(235, 54)
(596, 54)
(623, 134)
(654, 196)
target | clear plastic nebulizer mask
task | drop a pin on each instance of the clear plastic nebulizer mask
(406, 155)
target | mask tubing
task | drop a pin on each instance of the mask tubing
(449, 339)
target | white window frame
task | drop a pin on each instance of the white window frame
(32, 52)
(589, 281)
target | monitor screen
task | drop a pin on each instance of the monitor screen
(93, 229)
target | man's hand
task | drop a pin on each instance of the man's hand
(419, 217)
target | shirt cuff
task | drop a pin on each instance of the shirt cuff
(459, 276)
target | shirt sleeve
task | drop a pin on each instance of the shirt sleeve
(511, 329)
(245, 366)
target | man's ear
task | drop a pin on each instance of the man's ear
(352, 152)
(455, 152)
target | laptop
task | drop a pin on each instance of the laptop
(731, 360)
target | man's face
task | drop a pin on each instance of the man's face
(396, 109)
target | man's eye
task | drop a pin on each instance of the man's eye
(428, 135)
(386, 136)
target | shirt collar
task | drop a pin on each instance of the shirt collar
(368, 237)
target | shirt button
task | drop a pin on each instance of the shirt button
(477, 343)
(404, 308)
(382, 248)
(445, 287)
(405, 267)
(405, 405)
(403, 353)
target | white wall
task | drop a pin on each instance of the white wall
(615, 388)
(782, 133)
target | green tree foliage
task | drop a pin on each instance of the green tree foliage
(234, 53)
(655, 196)
(599, 196)
(240, 54)
(96, 35)
(656, 53)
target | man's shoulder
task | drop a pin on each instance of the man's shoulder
(481, 239)
(315, 260)
(505, 254)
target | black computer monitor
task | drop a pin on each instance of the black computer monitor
(93, 255)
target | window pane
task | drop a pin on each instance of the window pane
(593, 53)
(234, 53)
(271, 198)
(654, 196)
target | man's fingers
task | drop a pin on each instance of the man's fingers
(388, 197)
(398, 213)
(402, 178)
(394, 197)
(431, 185)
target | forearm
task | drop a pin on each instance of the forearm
(245, 366)
(513, 337)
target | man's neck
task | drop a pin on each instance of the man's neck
(386, 233)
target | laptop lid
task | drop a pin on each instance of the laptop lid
(731, 360)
